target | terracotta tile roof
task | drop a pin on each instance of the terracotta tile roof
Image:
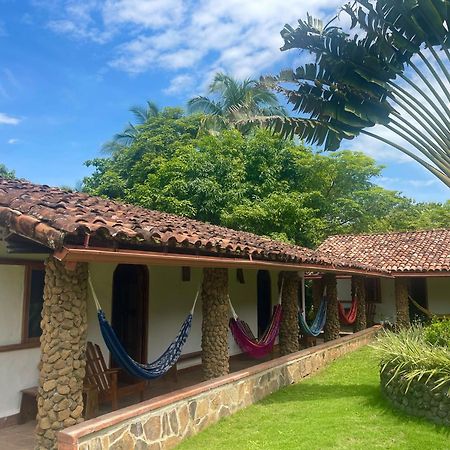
(55, 217)
(411, 251)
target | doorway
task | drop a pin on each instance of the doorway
(417, 289)
(264, 298)
(130, 311)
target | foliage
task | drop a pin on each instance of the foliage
(259, 183)
(233, 100)
(438, 332)
(5, 173)
(413, 357)
(363, 79)
(142, 114)
(339, 408)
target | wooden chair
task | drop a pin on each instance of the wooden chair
(106, 380)
(370, 313)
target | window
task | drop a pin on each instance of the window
(33, 301)
(373, 290)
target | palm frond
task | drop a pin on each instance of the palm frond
(204, 105)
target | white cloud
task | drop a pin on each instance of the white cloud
(241, 37)
(6, 119)
(13, 141)
(180, 84)
(150, 14)
(425, 189)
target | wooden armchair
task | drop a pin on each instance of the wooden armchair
(370, 313)
(106, 380)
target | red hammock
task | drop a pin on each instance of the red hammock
(256, 348)
(348, 317)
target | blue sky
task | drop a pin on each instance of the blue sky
(70, 70)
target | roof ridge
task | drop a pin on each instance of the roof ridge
(386, 233)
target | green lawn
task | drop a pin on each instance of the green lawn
(340, 408)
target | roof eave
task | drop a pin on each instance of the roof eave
(72, 254)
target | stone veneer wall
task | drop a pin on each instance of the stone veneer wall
(419, 400)
(401, 302)
(332, 326)
(215, 312)
(288, 337)
(161, 423)
(359, 291)
(63, 342)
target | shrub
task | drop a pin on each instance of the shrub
(438, 332)
(408, 356)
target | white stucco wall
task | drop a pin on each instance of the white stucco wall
(438, 290)
(385, 310)
(344, 289)
(18, 368)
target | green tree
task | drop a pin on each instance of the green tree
(130, 133)
(394, 73)
(258, 182)
(232, 100)
(6, 173)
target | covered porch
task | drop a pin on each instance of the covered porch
(167, 284)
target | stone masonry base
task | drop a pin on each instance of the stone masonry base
(161, 423)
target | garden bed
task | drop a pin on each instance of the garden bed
(420, 398)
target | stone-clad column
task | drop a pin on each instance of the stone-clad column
(332, 325)
(359, 291)
(289, 331)
(63, 342)
(215, 311)
(401, 302)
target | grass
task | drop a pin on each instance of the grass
(340, 408)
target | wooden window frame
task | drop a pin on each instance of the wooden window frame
(25, 342)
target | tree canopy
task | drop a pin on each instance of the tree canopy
(6, 173)
(392, 71)
(260, 183)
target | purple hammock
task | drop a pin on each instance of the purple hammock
(256, 348)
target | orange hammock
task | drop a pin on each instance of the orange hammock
(348, 317)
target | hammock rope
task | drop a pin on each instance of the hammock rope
(318, 323)
(154, 369)
(348, 317)
(244, 337)
(427, 312)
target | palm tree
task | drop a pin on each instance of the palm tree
(233, 100)
(394, 73)
(142, 114)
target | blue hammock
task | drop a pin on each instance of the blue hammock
(152, 370)
(318, 323)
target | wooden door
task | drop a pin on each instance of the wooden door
(130, 311)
